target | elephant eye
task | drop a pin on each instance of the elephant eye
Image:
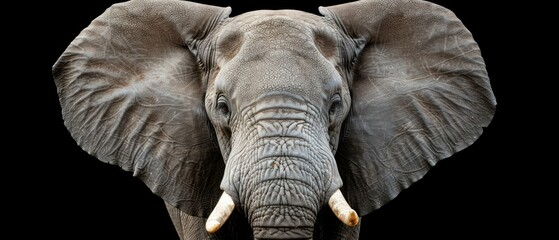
(335, 105)
(223, 106)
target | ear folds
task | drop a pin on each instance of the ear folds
(132, 95)
(420, 93)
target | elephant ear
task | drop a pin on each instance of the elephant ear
(420, 93)
(132, 95)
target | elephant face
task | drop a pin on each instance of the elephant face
(275, 113)
(278, 126)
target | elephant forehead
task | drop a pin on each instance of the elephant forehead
(277, 51)
(265, 30)
(271, 19)
(309, 77)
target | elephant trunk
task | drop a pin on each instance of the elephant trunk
(288, 183)
(283, 209)
(281, 169)
(280, 182)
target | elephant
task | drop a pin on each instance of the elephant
(274, 124)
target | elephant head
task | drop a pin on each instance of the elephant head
(277, 114)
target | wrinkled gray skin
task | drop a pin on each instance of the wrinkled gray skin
(277, 108)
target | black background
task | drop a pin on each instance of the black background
(69, 195)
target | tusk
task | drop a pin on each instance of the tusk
(342, 210)
(220, 214)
